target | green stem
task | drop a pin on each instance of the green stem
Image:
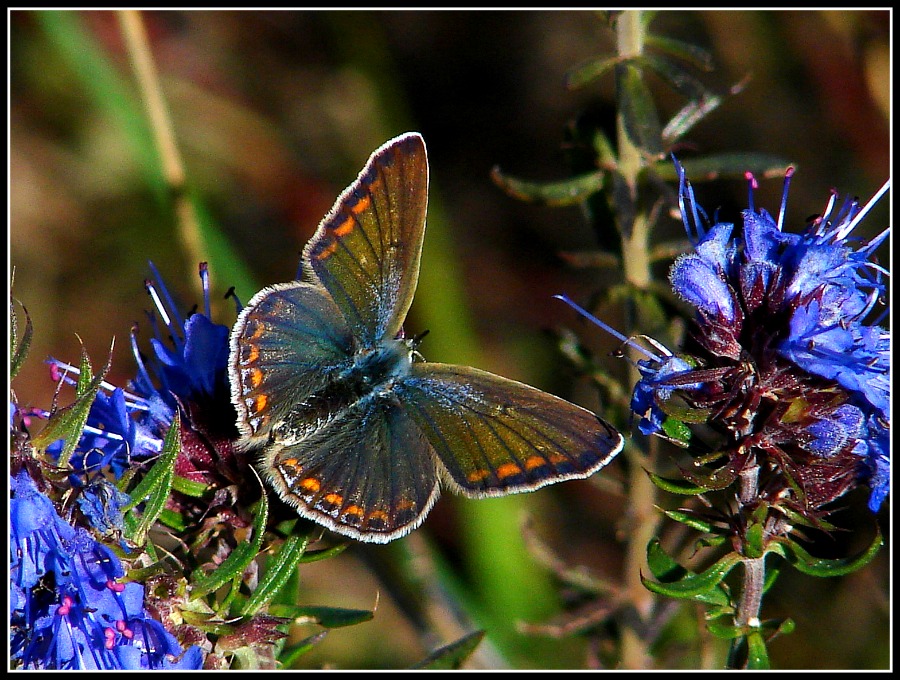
(641, 513)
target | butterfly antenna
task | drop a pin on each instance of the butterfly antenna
(612, 331)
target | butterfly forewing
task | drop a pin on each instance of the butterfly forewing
(497, 436)
(368, 473)
(285, 346)
(366, 251)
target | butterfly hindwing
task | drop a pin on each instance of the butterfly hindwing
(496, 436)
(368, 473)
(366, 250)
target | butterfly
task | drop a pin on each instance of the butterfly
(353, 429)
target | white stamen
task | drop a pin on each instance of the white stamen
(851, 225)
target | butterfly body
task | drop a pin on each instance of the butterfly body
(353, 430)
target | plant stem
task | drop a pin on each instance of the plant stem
(641, 512)
(135, 35)
(750, 604)
(751, 595)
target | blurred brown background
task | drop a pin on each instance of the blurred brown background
(275, 112)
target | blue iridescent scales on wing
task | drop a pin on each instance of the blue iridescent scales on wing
(350, 431)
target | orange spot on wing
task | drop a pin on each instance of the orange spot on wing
(345, 227)
(477, 475)
(256, 378)
(260, 402)
(334, 499)
(535, 462)
(253, 355)
(557, 458)
(354, 510)
(327, 252)
(362, 204)
(379, 515)
(508, 470)
(311, 484)
(259, 328)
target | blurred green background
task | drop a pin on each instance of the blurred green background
(275, 112)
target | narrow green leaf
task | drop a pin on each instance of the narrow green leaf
(689, 520)
(785, 627)
(589, 70)
(329, 617)
(235, 564)
(154, 489)
(676, 76)
(157, 474)
(172, 519)
(571, 191)
(710, 541)
(771, 576)
(677, 430)
(753, 545)
(693, 585)
(223, 607)
(667, 571)
(725, 166)
(689, 115)
(725, 631)
(604, 149)
(757, 654)
(207, 621)
(689, 52)
(676, 486)
(816, 566)
(716, 480)
(145, 573)
(68, 423)
(18, 347)
(661, 564)
(316, 555)
(797, 519)
(290, 655)
(452, 656)
(638, 110)
(279, 569)
(189, 487)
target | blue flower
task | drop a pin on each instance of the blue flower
(187, 371)
(783, 354)
(191, 365)
(877, 455)
(69, 608)
(702, 279)
(102, 504)
(114, 434)
(655, 388)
